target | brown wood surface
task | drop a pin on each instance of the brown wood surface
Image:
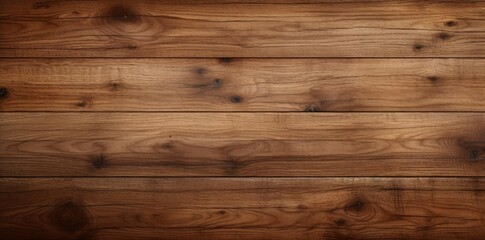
(225, 208)
(242, 119)
(243, 85)
(242, 144)
(149, 28)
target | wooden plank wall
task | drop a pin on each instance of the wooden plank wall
(242, 119)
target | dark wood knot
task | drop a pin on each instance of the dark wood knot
(236, 99)
(417, 47)
(123, 14)
(69, 216)
(233, 166)
(312, 108)
(131, 47)
(451, 23)
(98, 161)
(41, 5)
(217, 82)
(114, 86)
(355, 206)
(168, 145)
(471, 150)
(474, 153)
(3, 93)
(340, 222)
(225, 60)
(433, 79)
(84, 102)
(444, 36)
(302, 206)
(200, 71)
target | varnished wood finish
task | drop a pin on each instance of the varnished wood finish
(242, 119)
(223, 208)
(244, 144)
(243, 85)
(149, 28)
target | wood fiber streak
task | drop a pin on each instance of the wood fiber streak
(225, 208)
(242, 144)
(242, 85)
(148, 28)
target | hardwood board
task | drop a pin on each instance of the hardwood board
(244, 208)
(242, 144)
(148, 28)
(243, 85)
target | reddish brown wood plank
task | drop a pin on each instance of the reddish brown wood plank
(148, 28)
(243, 85)
(248, 208)
(242, 144)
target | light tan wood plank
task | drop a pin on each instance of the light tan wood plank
(244, 144)
(147, 28)
(243, 85)
(249, 208)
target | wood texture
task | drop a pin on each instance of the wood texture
(149, 28)
(243, 85)
(194, 119)
(244, 144)
(224, 208)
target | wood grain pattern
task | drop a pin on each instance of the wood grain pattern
(244, 144)
(149, 28)
(243, 85)
(242, 119)
(225, 208)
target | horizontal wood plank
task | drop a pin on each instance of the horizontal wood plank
(242, 85)
(149, 28)
(248, 208)
(242, 144)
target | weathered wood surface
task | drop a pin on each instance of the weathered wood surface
(242, 85)
(254, 208)
(162, 119)
(242, 144)
(148, 28)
